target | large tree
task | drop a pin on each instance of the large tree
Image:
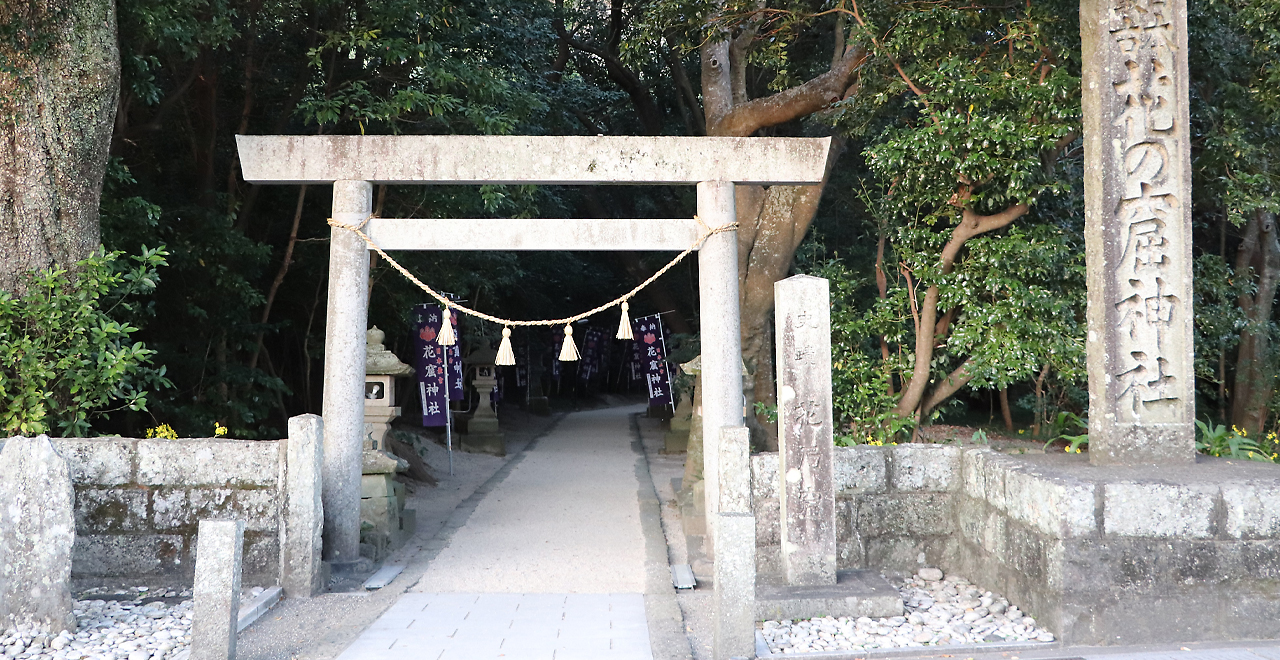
(59, 83)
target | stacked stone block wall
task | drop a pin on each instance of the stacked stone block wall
(139, 503)
(1100, 555)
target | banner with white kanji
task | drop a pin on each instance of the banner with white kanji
(652, 350)
(430, 364)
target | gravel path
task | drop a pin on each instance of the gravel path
(566, 520)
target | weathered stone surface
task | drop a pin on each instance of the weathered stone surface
(381, 462)
(260, 561)
(735, 586)
(217, 589)
(116, 555)
(532, 159)
(805, 430)
(1253, 510)
(925, 467)
(37, 533)
(764, 492)
(735, 470)
(1137, 144)
(860, 468)
(98, 461)
(177, 509)
(300, 545)
(1159, 510)
(906, 514)
(110, 510)
(207, 462)
(344, 354)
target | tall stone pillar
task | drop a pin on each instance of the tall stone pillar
(721, 335)
(802, 315)
(344, 355)
(1138, 231)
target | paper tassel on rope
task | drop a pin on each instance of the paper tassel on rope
(624, 324)
(446, 337)
(506, 357)
(568, 352)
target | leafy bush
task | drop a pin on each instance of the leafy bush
(63, 357)
(1218, 441)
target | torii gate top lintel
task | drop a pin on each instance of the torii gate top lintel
(545, 160)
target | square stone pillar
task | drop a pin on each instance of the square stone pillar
(735, 567)
(1138, 231)
(344, 372)
(219, 546)
(301, 571)
(802, 315)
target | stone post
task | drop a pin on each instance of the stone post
(1138, 231)
(37, 532)
(219, 545)
(344, 355)
(721, 335)
(735, 566)
(301, 574)
(805, 446)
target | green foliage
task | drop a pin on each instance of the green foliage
(63, 357)
(1218, 441)
(423, 67)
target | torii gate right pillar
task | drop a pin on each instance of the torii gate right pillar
(1138, 231)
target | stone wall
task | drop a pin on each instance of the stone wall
(1099, 555)
(139, 502)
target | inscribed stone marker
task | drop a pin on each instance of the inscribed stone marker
(803, 320)
(1138, 231)
(37, 531)
(300, 549)
(219, 545)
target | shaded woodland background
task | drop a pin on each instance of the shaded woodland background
(950, 224)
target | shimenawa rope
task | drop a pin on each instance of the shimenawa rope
(569, 351)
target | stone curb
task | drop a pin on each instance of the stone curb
(762, 650)
(254, 609)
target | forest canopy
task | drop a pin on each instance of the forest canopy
(950, 224)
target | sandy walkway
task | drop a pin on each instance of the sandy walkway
(566, 520)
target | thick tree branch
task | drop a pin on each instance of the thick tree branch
(950, 385)
(805, 99)
(971, 224)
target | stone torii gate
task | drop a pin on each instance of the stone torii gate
(353, 163)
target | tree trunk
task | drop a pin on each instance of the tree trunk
(1255, 367)
(57, 110)
(772, 221)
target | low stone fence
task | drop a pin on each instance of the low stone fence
(138, 504)
(1099, 555)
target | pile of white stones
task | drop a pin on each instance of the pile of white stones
(111, 630)
(938, 611)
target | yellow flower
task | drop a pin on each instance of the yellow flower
(219, 430)
(1020, 431)
(163, 432)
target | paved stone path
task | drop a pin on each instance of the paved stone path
(550, 565)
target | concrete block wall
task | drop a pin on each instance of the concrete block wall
(1100, 555)
(139, 503)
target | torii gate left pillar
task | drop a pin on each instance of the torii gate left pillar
(715, 165)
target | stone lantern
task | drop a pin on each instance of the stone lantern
(385, 523)
(483, 434)
(382, 370)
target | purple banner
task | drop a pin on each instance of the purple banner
(653, 358)
(589, 364)
(429, 366)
